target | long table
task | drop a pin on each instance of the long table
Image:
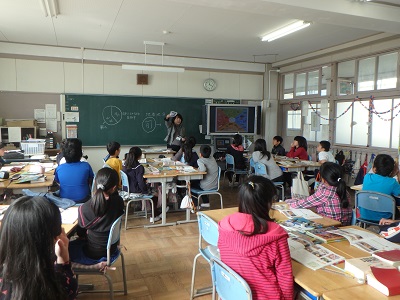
(35, 186)
(319, 283)
(68, 228)
(168, 176)
(218, 214)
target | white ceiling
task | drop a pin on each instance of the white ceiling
(218, 29)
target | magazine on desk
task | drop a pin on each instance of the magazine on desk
(312, 256)
(364, 240)
(296, 212)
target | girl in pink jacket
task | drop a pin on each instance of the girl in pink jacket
(256, 247)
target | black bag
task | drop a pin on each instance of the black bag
(340, 157)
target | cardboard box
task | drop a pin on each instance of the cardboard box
(22, 123)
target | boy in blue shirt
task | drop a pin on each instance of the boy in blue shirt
(382, 181)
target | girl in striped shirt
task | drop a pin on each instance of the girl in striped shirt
(256, 247)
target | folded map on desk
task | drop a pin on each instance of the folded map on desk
(30, 178)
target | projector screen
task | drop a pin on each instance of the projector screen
(231, 119)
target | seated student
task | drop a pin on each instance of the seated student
(331, 198)
(187, 155)
(113, 149)
(178, 155)
(208, 164)
(298, 148)
(382, 181)
(262, 155)
(256, 247)
(96, 217)
(137, 184)
(75, 176)
(236, 150)
(278, 149)
(323, 152)
(34, 257)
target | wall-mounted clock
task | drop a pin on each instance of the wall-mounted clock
(210, 84)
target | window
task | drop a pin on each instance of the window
(288, 86)
(301, 84)
(352, 128)
(366, 74)
(387, 71)
(316, 128)
(293, 123)
(346, 77)
(312, 83)
(326, 81)
(383, 128)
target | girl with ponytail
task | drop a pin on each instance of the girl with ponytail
(331, 199)
(95, 219)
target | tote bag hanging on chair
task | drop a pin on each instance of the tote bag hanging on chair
(187, 202)
(299, 187)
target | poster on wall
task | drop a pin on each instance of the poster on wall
(72, 131)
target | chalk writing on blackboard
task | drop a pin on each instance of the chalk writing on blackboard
(149, 124)
(112, 115)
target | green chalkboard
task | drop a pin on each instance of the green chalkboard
(131, 120)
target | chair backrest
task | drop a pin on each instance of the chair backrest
(227, 283)
(208, 230)
(230, 161)
(377, 202)
(113, 237)
(124, 181)
(260, 169)
(219, 177)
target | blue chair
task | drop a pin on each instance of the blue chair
(252, 167)
(102, 267)
(261, 170)
(230, 167)
(227, 283)
(196, 193)
(208, 231)
(373, 201)
(129, 198)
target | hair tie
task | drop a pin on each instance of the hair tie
(339, 179)
(100, 186)
(252, 184)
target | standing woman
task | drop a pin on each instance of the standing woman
(262, 155)
(176, 132)
(298, 148)
(34, 258)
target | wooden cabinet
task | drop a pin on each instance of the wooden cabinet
(11, 134)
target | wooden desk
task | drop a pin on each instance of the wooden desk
(35, 187)
(68, 228)
(297, 165)
(218, 214)
(358, 292)
(356, 187)
(167, 176)
(156, 153)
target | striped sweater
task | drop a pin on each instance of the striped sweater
(263, 260)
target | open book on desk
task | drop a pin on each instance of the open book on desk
(312, 256)
(365, 240)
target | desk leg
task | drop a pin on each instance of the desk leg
(187, 220)
(164, 206)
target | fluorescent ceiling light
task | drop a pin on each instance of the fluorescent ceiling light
(153, 68)
(285, 31)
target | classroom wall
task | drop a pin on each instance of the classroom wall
(26, 84)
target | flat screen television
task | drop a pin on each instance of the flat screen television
(231, 119)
